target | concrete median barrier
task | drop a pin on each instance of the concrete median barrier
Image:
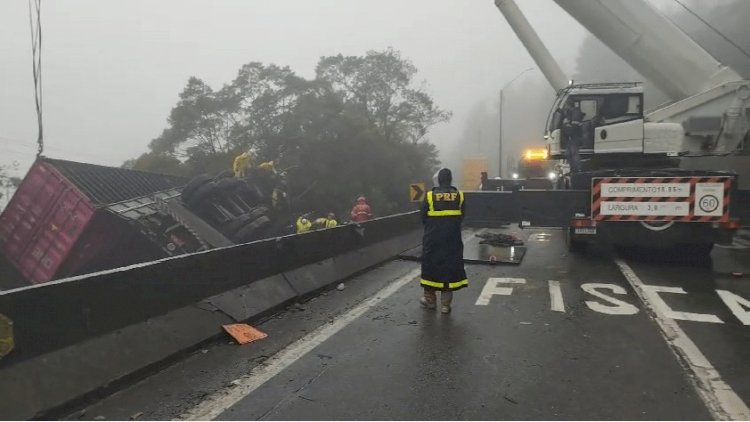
(75, 336)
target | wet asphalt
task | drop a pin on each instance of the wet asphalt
(513, 358)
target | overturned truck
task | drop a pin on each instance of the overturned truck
(70, 218)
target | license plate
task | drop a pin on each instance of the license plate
(585, 230)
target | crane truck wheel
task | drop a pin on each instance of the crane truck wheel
(573, 245)
(193, 185)
(697, 250)
(247, 234)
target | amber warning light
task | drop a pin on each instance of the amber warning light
(535, 154)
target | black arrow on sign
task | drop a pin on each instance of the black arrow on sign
(418, 192)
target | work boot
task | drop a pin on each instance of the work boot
(429, 300)
(446, 297)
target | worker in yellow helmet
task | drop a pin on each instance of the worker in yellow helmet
(303, 225)
(327, 222)
(268, 166)
(241, 163)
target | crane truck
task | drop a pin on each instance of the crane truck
(652, 177)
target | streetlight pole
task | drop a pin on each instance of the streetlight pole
(500, 123)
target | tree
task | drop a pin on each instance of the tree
(156, 163)
(358, 128)
(379, 85)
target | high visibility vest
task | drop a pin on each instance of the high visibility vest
(303, 225)
(444, 204)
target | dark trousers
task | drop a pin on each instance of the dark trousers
(572, 152)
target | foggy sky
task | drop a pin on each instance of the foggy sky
(113, 69)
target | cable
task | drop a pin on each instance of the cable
(727, 39)
(35, 10)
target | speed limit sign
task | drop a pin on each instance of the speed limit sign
(709, 199)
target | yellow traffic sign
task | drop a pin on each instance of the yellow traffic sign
(416, 192)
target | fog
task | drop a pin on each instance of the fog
(113, 70)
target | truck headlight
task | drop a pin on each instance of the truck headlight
(514, 175)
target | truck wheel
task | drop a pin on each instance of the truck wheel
(247, 234)
(199, 198)
(227, 184)
(194, 184)
(573, 245)
(698, 250)
(236, 224)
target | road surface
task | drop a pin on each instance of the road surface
(606, 335)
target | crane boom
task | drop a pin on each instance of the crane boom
(550, 68)
(652, 44)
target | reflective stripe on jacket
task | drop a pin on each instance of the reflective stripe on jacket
(448, 203)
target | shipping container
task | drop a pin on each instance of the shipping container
(56, 223)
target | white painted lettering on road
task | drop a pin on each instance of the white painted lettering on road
(493, 287)
(720, 399)
(617, 307)
(556, 298)
(737, 305)
(652, 292)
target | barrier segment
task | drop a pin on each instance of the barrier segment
(46, 374)
(88, 306)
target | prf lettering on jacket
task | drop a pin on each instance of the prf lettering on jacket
(446, 196)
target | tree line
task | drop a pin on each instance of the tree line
(358, 128)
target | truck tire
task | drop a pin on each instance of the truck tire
(573, 245)
(249, 231)
(240, 222)
(697, 250)
(228, 184)
(201, 195)
(224, 174)
(193, 185)
(236, 224)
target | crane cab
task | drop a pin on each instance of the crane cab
(612, 118)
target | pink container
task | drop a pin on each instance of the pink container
(42, 222)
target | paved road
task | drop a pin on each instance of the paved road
(559, 337)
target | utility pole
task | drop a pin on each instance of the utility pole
(500, 122)
(500, 139)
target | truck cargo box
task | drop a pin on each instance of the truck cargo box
(53, 209)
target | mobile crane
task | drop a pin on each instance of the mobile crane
(652, 175)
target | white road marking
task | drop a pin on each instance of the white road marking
(736, 304)
(652, 293)
(492, 287)
(618, 307)
(556, 298)
(221, 400)
(722, 402)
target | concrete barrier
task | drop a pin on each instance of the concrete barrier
(76, 335)
(490, 208)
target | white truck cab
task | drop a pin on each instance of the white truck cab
(613, 122)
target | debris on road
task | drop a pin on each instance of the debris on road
(136, 416)
(340, 287)
(499, 239)
(244, 333)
